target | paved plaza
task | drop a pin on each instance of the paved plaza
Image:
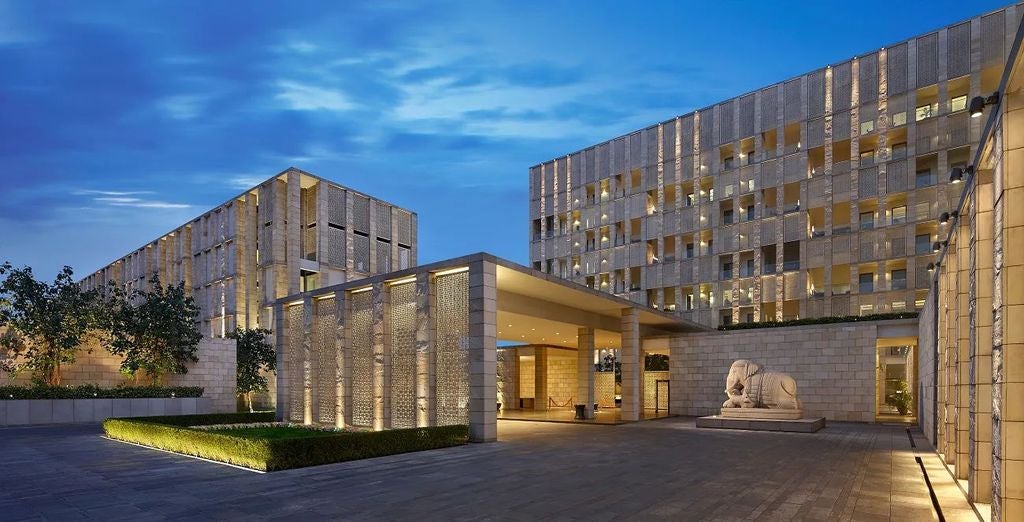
(665, 469)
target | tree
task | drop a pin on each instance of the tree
(153, 330)
(42, 324)
(255, 358)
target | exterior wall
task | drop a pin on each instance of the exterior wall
(833, 364)
(73, 411)
(825, 161)
(651, 399)
(215, 373)
(332, 231)
(413, 349)
(561, 378)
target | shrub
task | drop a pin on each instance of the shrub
(820, 320)
(91, 391)
(270, 454)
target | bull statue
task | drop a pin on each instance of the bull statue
(750, 386)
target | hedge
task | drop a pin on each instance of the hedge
(171, 433)
(91, 391)
(820, 320)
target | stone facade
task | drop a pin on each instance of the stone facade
(833, 364)
(816, 196)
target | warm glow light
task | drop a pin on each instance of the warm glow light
(452, 271)
(410, 279)
(361, 290)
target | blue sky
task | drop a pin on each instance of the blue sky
(119, 121)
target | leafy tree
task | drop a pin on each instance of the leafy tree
(42, 324)
(153, 330)
(255, 358)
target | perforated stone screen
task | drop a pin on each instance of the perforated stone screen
(452, 391)
(295, 358)
(325, 349)
(361, 341)
(403, 355)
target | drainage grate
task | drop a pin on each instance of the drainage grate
(931, 492)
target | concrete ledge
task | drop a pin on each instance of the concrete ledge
(66, 411)
(761, 413)
(796, 426)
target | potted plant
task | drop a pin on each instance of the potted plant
(901, 398)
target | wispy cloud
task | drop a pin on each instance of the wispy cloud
(304, 97)
(121, 198)
(183, 107)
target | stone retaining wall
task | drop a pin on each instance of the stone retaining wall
(74, 411)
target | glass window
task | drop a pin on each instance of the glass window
(867, 158)
(689, 199)
(899, 215)
(689, 250)
(900, 118)
(727, 216)
(689, 301)
(922, 243)
(867, 282)
(899, 151)
(922, 112)
(750, 213)
(958, 103)
(727, 163)
(867, 220)
(867, 126)
(924, 178)
(899, 279)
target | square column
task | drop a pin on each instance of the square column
(310, 397)
(631, 406)
(585, 370)
(483, 352)
(540, 378)
(343, 363)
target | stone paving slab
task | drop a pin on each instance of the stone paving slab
(667, 469)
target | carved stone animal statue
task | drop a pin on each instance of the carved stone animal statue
(750, 386)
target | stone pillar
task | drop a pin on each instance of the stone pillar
(343, 363)
(310, 397)
(631, 400)
(280, 346)
(540, 378)
(380, 305)
(426, 415)
(585, 370)
(483, 351)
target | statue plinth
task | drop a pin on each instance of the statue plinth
(761, 413)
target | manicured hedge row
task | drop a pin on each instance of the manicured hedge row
(91, 391)
(820, 320)
(170, 433)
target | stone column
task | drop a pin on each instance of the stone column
(483, 351)
(381, 300)
(631, 400)
(343, 363)
(540, 378)
(585, 370)
(280, 346)
(425, 333)
(310, 398)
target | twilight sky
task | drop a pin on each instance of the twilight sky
(120, 121)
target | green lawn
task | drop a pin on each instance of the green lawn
(273, 432)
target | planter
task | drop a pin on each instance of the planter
(74, 411)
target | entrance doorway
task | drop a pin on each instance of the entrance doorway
(896, 384)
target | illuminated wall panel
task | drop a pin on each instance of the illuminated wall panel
(295, 362)
(361, 341)
(452, 388)
(324, 348)
(403, 355)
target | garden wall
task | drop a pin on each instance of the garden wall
(215, 372)
(74, 411)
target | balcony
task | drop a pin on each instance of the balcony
(840, 289)
(818, 232)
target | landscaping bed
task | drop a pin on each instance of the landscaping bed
(253, 440)
(91, 391)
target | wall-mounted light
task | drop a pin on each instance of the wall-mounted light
(945, 217)
(931, 267)
(957, 174)
(978, 104)
(937, 246)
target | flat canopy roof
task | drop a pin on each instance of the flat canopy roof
(538, 308)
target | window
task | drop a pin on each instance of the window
(750, 317)
(866, 309)
(867, 158)
(924, 178)
(899, 215)
(899, 151)
(867, 220)
(689, 250)
(727, 163)
(867, 126)
(726, 270)
(924, 111)
(750, 213)
(689, 301)
(899, 279)
(726, 319)
(958, 103)
(689, 199)
(900, 118)
(922, 243)
(711, 194)
(727, 216)
(867, 282)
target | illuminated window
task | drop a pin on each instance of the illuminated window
(924, 111)
(867, 126)
(899, 215)
(900, 118)
(958, 103)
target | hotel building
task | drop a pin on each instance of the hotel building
(294, 232)
(816, 196)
